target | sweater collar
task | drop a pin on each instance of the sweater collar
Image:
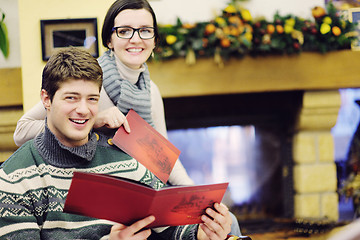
(57, 154)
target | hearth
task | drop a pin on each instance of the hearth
(255, 154)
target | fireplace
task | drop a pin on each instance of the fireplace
(245, 139)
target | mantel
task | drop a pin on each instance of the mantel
(306, 71)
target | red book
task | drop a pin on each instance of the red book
(147, 146)
(126, 201)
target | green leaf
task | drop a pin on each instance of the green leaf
(4, 41)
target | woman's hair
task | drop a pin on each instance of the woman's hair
(70, 63)
(119, 6)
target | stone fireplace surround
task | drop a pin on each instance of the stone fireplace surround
(315, 77)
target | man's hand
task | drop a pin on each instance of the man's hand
(132, 232)
(111, 118)
(217, 223)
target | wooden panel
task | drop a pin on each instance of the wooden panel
(8, 120)
(307, 71)
(11, 87)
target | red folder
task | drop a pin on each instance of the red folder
(126, 201)
(147, 146)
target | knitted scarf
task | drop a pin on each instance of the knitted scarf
(122, 93)
(59, 155)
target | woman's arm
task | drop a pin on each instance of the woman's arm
(30, 124)
(178, 175)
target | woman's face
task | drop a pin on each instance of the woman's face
(135, 51)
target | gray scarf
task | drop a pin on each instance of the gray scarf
(122, 93)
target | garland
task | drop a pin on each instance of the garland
(234, 33)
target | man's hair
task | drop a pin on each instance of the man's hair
(70, 63)
(119, 6)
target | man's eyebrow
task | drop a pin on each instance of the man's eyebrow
(76, 93)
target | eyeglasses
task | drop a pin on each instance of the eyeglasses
(128, 32)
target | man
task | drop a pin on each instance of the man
(34, 181)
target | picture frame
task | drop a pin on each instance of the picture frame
(57, 34)
(354, 16)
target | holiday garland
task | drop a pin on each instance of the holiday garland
(235, 33)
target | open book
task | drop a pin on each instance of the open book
(126, 201)
(147, 146)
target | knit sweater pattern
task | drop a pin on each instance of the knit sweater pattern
(35, 180)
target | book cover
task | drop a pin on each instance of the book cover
(126, 201)
(147, 146)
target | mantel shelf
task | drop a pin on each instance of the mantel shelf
(307, 71)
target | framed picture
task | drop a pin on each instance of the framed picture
(61, 33)
(354, 16)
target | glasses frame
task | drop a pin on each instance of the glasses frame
(133, 32)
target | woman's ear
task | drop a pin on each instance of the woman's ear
(110, 45)
(45, 98)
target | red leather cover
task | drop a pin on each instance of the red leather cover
(125, 201)
(147, 146)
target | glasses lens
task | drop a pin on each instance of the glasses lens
(124, 32)
(146, 33)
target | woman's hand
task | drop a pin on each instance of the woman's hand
(111, 118)
(132, 232)
(217, 225)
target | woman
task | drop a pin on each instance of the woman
(130, 33)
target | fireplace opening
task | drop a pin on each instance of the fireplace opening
(245, 139)
(344, 138)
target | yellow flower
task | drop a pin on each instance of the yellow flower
(288, 28)
(290, 22)
(219, 33)
(230, 9)
(298, 35)
(246, 15)
(221, 21)
(325, 28)
(234, 31)
(343, 23)
(248, 36)
(248, 28)
(235, 20)
(227, 30)
(327, 20)
(171, 39)
(165, 25)
(266, 39)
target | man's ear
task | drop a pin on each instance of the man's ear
(45, 98)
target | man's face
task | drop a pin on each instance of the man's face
(71, 114)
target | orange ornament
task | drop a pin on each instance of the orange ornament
(279, 29)
(210, 28)
(270, 28)
(225, 43)
(336, 31)
(318, 12)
